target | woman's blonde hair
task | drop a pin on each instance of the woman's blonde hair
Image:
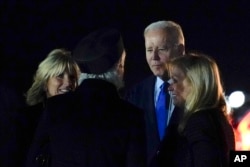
(203, 74)
(57, 62)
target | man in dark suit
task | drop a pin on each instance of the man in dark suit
(163, 41)
(92, 126)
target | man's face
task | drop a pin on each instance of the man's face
(159, 51)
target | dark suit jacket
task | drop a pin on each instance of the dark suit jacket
(142, 95)
(90, 127)
(205, 142)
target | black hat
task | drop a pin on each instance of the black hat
(99, 51)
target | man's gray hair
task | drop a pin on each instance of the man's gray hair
(171, 27)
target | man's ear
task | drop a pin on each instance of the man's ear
(121, 62)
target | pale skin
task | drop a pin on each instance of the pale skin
(180, 87)
(120, 66)
(60, 84)
(159, 51)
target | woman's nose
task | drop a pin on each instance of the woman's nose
(170, 87)
(67, 81)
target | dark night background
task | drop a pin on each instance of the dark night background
(30, 30)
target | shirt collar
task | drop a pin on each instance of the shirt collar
(159, 82)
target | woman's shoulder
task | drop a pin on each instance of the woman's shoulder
(206, 114)
(32, 113)
(203, 122)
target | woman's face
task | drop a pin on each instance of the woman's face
(179, 87)
(61, 84)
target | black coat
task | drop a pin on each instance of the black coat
(11, 103)
(90, 127)
(27, 120)
(142, 95)
(205, 142)
(17, 134)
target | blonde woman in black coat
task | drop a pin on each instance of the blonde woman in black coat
(205, 136)
(57, 74)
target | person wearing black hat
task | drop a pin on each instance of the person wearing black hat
(101, 55)
(92, 126)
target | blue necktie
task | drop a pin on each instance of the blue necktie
(162, 110)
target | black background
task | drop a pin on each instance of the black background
(29, 30)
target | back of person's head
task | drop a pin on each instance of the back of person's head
(203, 75)
(100, 54)
(172, 28)
(57, 62)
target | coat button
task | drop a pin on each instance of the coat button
(42, 160)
